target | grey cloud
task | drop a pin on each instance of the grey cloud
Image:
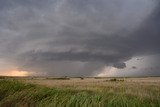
(140, 59)
(134, 67)
(119, 65)
(41, 36)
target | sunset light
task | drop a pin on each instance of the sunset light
(17, 73)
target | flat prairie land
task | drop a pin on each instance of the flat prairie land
(79, 92)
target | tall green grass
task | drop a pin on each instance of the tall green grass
(18, 94)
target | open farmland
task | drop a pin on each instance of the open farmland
(79, 92)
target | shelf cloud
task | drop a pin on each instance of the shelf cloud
(68, 37)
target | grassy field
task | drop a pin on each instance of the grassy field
(79, 92)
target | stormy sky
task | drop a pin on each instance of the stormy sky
(80, 37)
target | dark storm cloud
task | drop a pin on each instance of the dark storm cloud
(50, 35)
(134, 67)
(119, 65)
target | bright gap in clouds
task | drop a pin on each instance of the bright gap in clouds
(16, 73)
(137, 66)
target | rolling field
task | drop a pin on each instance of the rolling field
(79, 92)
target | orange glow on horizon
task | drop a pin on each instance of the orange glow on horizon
(17, 73)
